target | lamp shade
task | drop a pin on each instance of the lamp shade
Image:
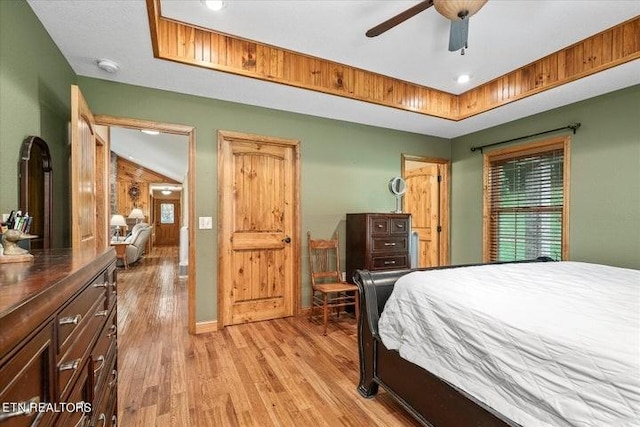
(452, 9)
(118, 221)
(136, 213)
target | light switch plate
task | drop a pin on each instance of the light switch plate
(205, 222)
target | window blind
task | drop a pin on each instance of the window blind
(526, 198)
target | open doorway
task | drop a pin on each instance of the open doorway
(143, 179)
(427, 200)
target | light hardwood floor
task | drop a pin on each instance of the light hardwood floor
(273, 373)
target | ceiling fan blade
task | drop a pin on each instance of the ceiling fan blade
(459, 34)
(399, 18)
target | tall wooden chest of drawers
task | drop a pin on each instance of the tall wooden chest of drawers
(377, 241)
(58, 347)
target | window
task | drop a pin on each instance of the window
(526, 192)
(167, 213)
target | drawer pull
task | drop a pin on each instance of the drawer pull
(389, 243)
(100, 285)
(72, 365)
(115, 378)
(23, 408)
(114, 421)
(380, 226)
(113, 329)
(389, 262)
(102, 418)
(400, 225)
(81, 422)
(99, 359)
(101, 313)
(70, 320)
(113, 285)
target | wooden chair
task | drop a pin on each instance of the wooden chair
(329, 290)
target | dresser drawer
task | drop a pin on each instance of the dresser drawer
(399, 226)
(72, 318)
(103, 353)
(29, 381)
(77, 355)
(77, 405)
(379, 225)
(389, 244)
(110, 280)
(391, 262)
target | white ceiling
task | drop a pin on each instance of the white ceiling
(165, 153)
(504, 35)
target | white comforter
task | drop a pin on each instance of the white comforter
(545, 344)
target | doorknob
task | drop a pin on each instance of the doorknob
(287, 239)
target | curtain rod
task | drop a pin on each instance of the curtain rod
(573, 126)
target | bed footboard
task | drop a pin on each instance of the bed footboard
(375, 289)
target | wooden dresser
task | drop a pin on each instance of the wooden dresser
(377, 241)
(58, 348)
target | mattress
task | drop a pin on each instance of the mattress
(544, 344)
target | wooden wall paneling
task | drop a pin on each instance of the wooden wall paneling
(188, 44)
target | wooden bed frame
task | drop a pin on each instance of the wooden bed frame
(431, 400)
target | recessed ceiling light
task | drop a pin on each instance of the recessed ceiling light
(150, 132)
(108, 65)
(214, 5)
(463, 78)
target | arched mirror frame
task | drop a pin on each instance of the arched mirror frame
(28, 186)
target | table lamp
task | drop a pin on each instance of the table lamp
(137, 214)
(117, 221)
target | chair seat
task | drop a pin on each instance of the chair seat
(335, 287)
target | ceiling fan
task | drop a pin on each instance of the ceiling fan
(458, 11)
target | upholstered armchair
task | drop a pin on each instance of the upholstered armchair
(137, 241)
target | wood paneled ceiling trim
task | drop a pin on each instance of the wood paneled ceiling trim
(189, 44)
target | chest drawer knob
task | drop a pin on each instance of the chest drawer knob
(101, 313)
(389, 243)
(21, 408)
(70, 320)
(70, 366)
(389, 262)
(100, 285)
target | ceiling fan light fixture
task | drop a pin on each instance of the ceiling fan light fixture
(458, 9)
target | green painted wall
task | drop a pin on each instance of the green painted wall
(35, 82)
(345, 167)
(605, 179)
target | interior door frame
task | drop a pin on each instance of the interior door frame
(190, 133)
(224, 212)
(444, 213)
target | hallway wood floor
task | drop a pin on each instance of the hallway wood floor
(273, 373)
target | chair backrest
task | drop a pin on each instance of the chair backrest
(324, 260)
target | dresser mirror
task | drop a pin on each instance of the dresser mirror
(35, 180)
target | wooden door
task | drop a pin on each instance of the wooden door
(84, 224)
(259, 244)
(167, 221)
(422, 201)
